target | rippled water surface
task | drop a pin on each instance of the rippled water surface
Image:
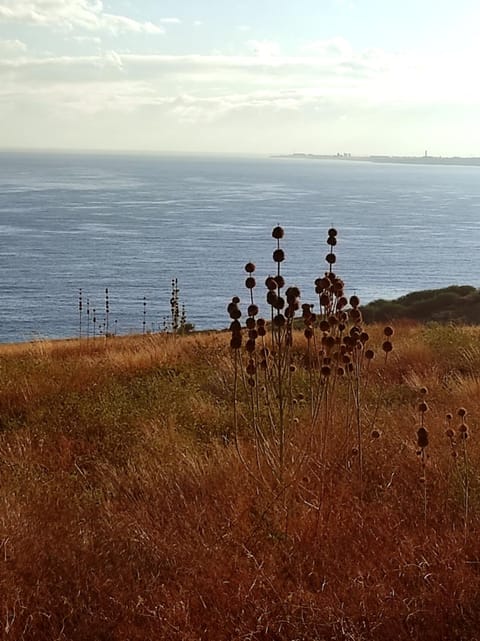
(131, 223)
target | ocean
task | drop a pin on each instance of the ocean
(131, 223)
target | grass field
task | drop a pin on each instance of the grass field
(132, 509)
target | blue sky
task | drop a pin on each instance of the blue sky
(264, 76)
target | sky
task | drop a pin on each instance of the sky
(241, 76)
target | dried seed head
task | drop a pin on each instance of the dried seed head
(250, 282)
(253, 334)
(262, 331)
(260, 322)
(235, 326)
(325, 370)
(387, 346)
(278, 232)
(463, 428)
(388, 331)
(331, 259)
(449, 416)
(252, 310)
(251, 369)
(375, 434)
(250, 268)
(271, 283)
(364, 337)
(250, 323)
(461, 412)
(293, 368)
(250, 345)
(450, 433)
(279, 320)
(324, 326)
(340, 371)
(422, 407)
(235, 300)
(354, 301)
(280, 280)
(279, 255)
(422, 437)
(332, 241)
(332, 232)
(423, 391)
(308, 333)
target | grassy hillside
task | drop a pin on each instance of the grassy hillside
(457, 303)
(137, 504)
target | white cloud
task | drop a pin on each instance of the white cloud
(12, 47)
(72, 14)
(170, 21)
(264, 48)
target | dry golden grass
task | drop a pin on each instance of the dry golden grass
(126, 514)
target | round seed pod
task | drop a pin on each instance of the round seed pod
(250, 323)
(308, 333)
(463, 428)
(235, 313)
(324, 326)
(290, 311)
(461, 412)
(369, 354)
(364, 337)
(375, 434)
(279, 303)
(355, 314)
(422, 407)
(449, 416)
(250, 282)
(332, 320)
(449, 433)
(387, 346)
(326, 370)
(354, 301)
(262, 331)
(271, 298)
(323, 283)
(338, 285)
(332, 232)
(236, 341)
(235, 300)
(270, 283)
(292, 294)
(279, 255)
(260, 322)
(332, 241)
(250, 268)
(324, 300)
(293, 368)
(252, 310)
(251, 369)
(354, 451)
(341, 302)
(329, 342)
(423, 391)
(235, 326)
(250, 345)
(340, 371)
(422, 437)
(331, 259)
(279, 320)
(278, 232)
(388, 331)
(280, 280)
(253, 334)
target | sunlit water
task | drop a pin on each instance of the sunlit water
(132, 223)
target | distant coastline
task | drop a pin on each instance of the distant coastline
(405, 160)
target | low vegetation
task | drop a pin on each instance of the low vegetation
(457, 303)
(179, 487)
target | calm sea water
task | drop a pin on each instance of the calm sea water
(132, 223)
